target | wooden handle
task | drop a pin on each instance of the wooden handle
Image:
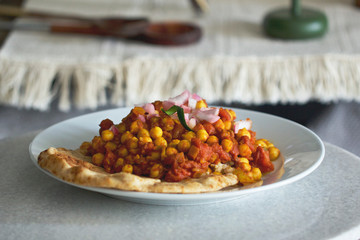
(9, 11)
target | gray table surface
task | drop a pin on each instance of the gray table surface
(323, 205)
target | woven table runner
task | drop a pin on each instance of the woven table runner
(233, 62)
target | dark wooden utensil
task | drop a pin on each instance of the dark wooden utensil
(138, 29)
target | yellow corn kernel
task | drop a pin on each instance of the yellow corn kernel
(244, 150)
(121, 127)
(135, 127)
(273, 153)
(119, 163)
(97, 159)
(183, 146)
(201, 104)
(107, 135)
(123, 152)
(145, 139)
(227, 145)
(232, 113)
(127, 168)
(160, 141)
(212, 139)
(188, 135)
(217, 173)
(132, 143)
(260, 143)
(227, 125)
(219, 124)
(126, 137)
(256, 174)
(110, 146)
(171, 151)
(243, 132)
(174, 143)
(155, 171)
(143, 132)
(202, 135)
(156, 132)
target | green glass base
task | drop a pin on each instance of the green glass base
(283, 24)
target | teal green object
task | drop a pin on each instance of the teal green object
(295, 23)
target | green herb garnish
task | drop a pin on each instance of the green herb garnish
(180, 113)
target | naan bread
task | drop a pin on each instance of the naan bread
(72, 166)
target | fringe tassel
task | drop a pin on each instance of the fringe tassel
(250, 80)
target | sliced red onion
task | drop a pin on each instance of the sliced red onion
(196, 97)
(192, 123)
(149, 108)
(141, 118)
(180, 99)
(207, 114)
(114, 129)
(192, 103)
(242, 124)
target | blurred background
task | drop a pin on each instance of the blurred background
(48, 74)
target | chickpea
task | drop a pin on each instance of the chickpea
(201, 104)
(135, 127)
(243, 132)
(143, 132)
(174, 143)
(260, 143)
(125, 137)
(212, 140)
(123, 152)
(132, 143)
(107, 135)
(171, 151)
(160, 142)
(121, 127)
(145, 139)
(227, 145)
(168, 124)
(232, 113)
(202, 135)
(256, 174)
(127, 168)
(156, 170)
(219, 124)
(119, 162)
(184, 145)
(244, 150)
(189, 135)
(97, 159)
(154, 156)
(227, 125)
(110, 146)
(273, 153)
(156, 132)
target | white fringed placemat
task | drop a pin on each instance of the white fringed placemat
(234, 62)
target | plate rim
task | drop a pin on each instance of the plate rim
(188, 196)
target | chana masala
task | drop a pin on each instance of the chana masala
(179, 139)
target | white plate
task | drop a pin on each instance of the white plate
(302, 152)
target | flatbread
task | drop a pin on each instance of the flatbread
(72, 166)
